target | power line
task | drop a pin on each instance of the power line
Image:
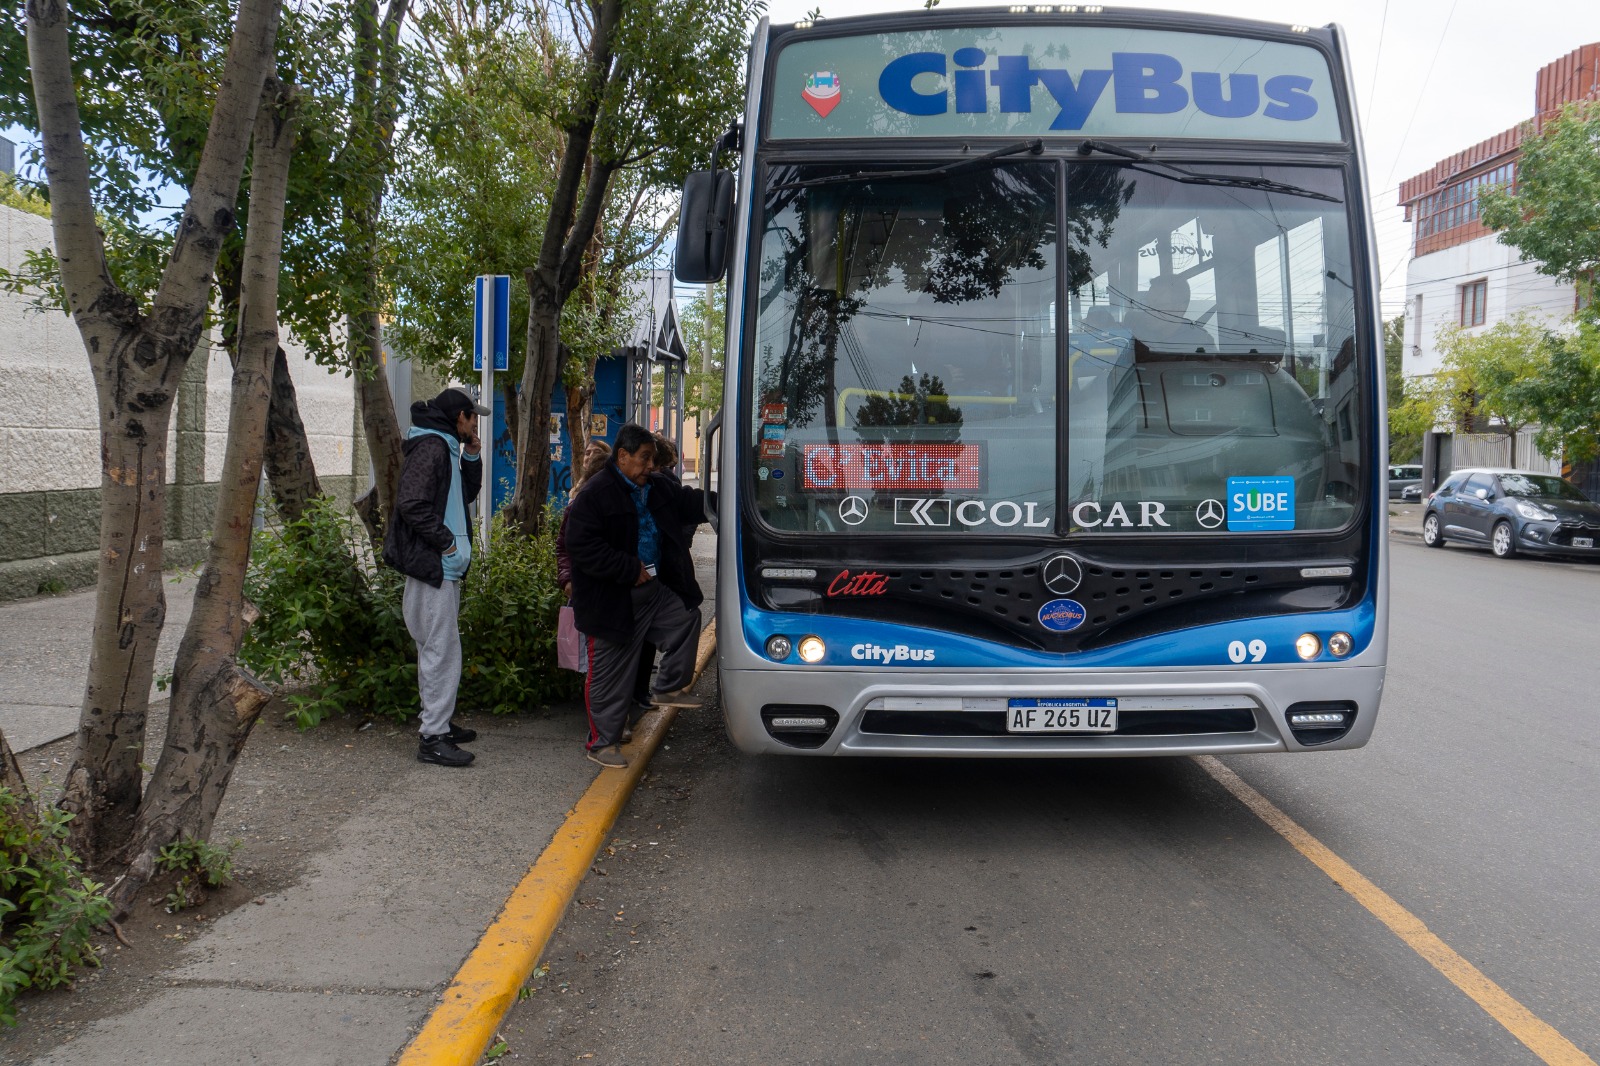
(1424, 90)
(1383, 25)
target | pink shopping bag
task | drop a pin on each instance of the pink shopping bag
(570, 643)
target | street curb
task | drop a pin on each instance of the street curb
(483, 990)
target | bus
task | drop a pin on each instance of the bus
(1053, 419)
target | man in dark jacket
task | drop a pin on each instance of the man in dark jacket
(428, 540)
(632, 581)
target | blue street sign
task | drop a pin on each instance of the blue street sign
(491, 319)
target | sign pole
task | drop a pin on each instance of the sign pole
(491, 351)
(486, 497)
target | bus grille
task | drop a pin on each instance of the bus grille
(1120, 602)
(993, 723)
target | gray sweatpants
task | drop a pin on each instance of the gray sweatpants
(431, 619)
(659, 616)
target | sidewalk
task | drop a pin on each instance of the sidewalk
(1405, 519)
(45, 663)
(365, 877)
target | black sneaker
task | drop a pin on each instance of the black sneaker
(439, 750)
(460, 734)
(643, 705)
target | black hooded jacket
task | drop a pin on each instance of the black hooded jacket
(603, 541)
(417, 538)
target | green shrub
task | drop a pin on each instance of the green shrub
(48, 908)
(331, 628)
(510, 606)
(333, 633)
(199, 866)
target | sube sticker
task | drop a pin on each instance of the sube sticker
(1260, 503)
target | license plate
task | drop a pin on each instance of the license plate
(1583, 542)
(1061, 716)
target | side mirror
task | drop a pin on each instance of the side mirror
(703, 227)
(1482, 494)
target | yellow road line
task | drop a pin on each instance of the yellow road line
(461, 1027)
(1540, 1038)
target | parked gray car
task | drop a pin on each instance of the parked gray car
(1512, 511)
(1404, 477)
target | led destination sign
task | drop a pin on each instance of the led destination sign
(923, 468)
(1026, 80)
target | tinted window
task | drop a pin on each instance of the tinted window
(905, 362)
(1476, 482)
(1534, 486)
(1211, 350)
(909, 375)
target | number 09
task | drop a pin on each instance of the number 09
(1255, 651)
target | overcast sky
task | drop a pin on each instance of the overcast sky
(1432, 77)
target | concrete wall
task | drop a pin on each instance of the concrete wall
(49, 439)
(1436, 279)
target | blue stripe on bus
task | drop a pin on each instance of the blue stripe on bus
(850, 641)
(861, 642)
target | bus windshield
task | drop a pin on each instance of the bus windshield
(937, 354)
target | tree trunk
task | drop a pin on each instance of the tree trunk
(375, 105)
(214, 702)
(580, 412)
(546, 360)
(105, 780)
(291, 471)
(576, 202)
(137, 361)
(11, 778)
(378, 417)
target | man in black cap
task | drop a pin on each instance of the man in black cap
(428, 540)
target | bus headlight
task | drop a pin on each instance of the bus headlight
(1340, 644)
(778, 648)
(1307, 646)
(812, 649)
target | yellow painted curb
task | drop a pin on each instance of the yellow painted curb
(461, 1027)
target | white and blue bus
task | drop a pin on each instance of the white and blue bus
(1054, 415)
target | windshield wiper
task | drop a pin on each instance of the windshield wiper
(1188, 177)
(1033, 147)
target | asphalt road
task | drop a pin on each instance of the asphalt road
(852, 911)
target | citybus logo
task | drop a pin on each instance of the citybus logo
(1141, 83)
(899, 653)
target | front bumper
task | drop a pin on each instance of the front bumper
(1261, 696)
(1554, 538)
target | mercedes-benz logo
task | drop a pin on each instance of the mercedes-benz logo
(853, 510)
(1062, 575)
(1210, 513)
